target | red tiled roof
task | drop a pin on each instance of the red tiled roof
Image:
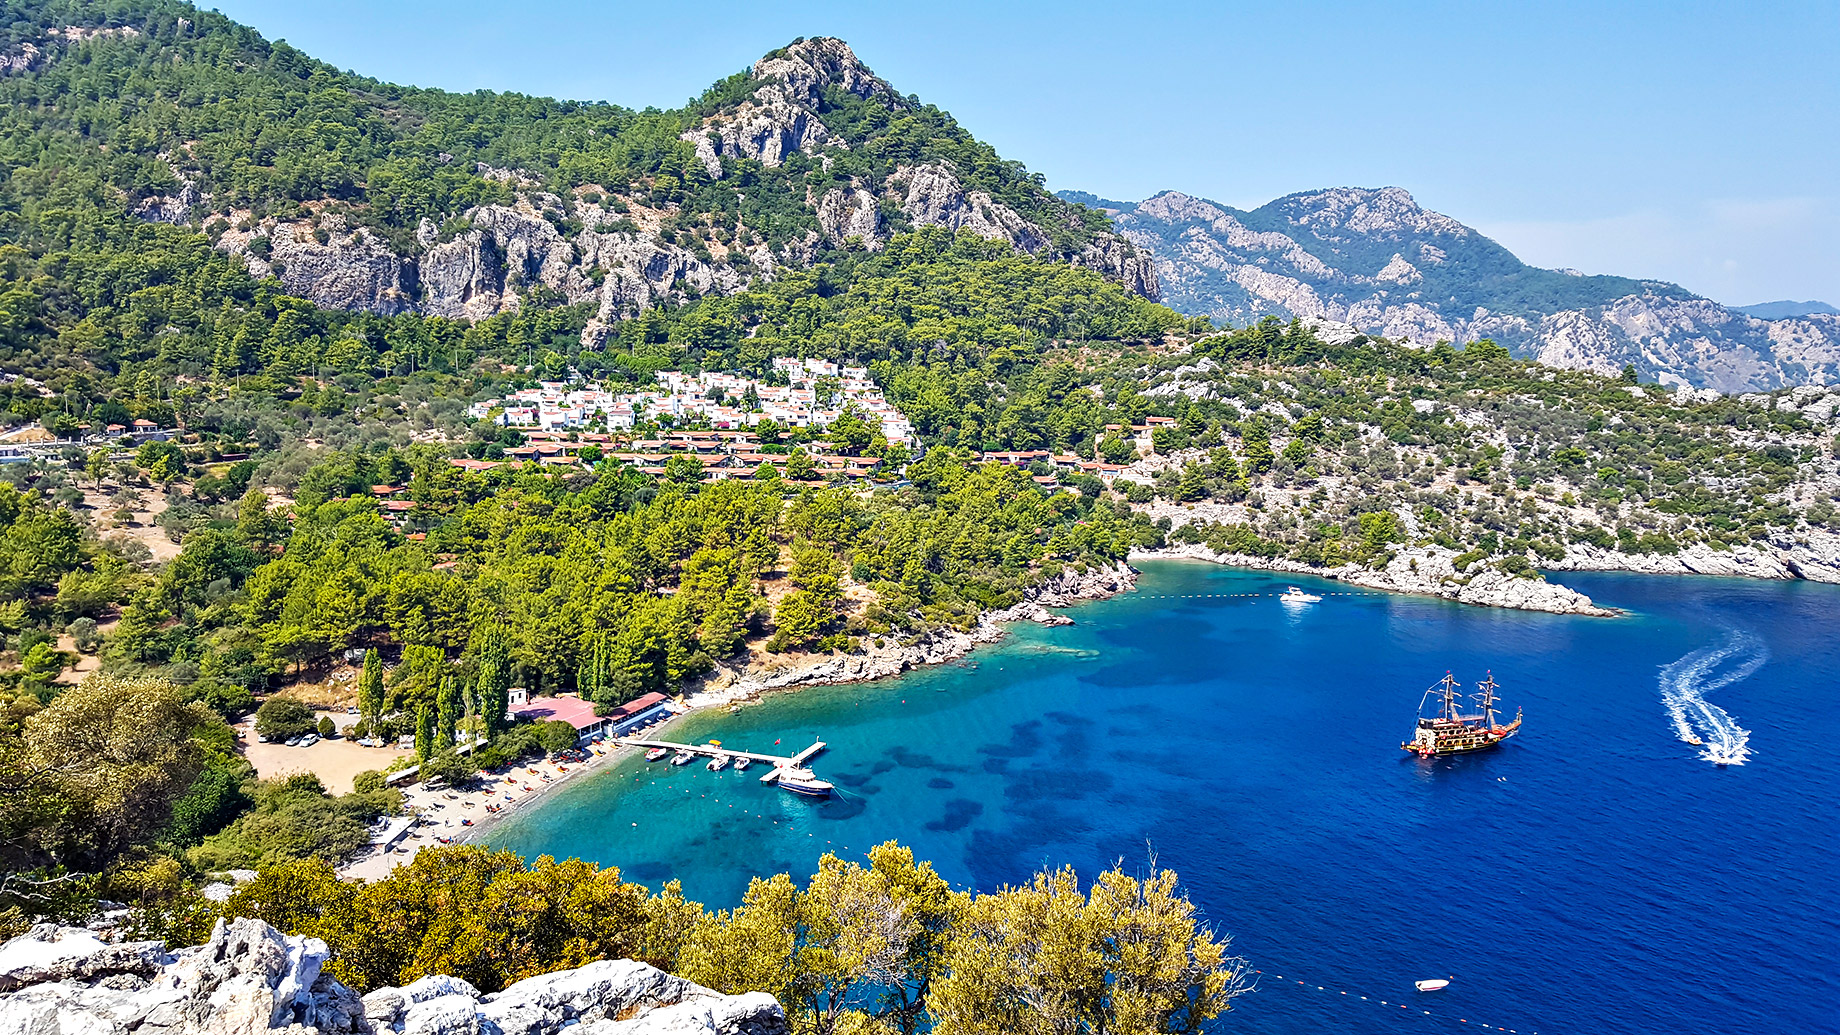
(572, 710)
(635, 706)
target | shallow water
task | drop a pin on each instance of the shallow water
(1596, 874)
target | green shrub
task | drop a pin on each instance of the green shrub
(282, 718)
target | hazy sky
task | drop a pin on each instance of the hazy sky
(1692, 142)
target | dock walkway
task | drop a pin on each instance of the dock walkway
(777, 764)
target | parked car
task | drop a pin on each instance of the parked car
(309, 740)
(293, 742)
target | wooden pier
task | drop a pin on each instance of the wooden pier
(776, 764)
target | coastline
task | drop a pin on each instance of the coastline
(733, 686)
(1419, 571)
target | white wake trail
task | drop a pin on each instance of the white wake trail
(1685, 684)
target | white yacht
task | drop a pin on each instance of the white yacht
(806, 782)
(1293, 595)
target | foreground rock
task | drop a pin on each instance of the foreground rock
(1426, 571)
(249, 978)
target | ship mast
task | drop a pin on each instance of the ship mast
(1446, 690)
(1487, 698)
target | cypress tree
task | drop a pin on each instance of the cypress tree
(493, 683)
(447, 714)
(370, 686)
(424, 732)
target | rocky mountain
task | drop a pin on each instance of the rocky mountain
(250, 978)
(364, 195)
(1377, 260)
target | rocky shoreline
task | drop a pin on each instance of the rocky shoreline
(1808, 554)
(892, 658)
(1422, 571)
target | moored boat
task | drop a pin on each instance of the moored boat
(717, 764)
(806, 782)
(1450, 732)
(656, 753)
(682, 758)
(1293, 595)
(1431, 985)
(742, 762)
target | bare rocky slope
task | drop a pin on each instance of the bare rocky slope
(1377, 260)
(626, 246)
(249, 978)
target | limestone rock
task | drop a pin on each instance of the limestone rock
(807, 67)
(249, 978)
(1425, 571)
(844, 214)
(175, 209)
(51, 953)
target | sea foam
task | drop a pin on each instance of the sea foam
(1686, 682)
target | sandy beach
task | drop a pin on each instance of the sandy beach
(444, 813)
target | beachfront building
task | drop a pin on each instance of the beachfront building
(579, 713)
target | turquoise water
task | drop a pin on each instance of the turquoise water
(1596, 874)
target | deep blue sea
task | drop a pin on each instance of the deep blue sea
(1597, 874)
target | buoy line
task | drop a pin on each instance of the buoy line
(1222, 596)
(1482, 1025)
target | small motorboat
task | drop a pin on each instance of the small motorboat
(804, 781)
(1293, 595)
(1432, 985)
(742, 762)
(656, 753)
(717, 764)
(682, 758)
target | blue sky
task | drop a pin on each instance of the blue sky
(1692, 142)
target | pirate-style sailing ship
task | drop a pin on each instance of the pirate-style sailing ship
(1448, 731)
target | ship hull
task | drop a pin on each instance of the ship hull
(1453, 739)
(1450, 749)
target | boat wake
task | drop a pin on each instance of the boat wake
(1685, 684)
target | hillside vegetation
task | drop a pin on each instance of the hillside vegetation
(274, 423)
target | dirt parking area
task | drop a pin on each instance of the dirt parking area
(335, 762)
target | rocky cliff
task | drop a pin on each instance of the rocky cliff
(1377, 260)
(626, 246)
(249, 978)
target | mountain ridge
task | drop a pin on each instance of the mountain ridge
(362, 195)
(1375, 259)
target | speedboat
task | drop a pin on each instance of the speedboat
(656, 753)
(1293, 595)
(1431, 985)
(742, 762)
(804, 781)
(717, 764)
(682, 758)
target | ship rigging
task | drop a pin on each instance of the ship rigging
(1448, 731)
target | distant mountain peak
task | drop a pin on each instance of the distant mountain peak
(805, 67)
(1374, 258)
(1369, 211)
(1786, 310)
